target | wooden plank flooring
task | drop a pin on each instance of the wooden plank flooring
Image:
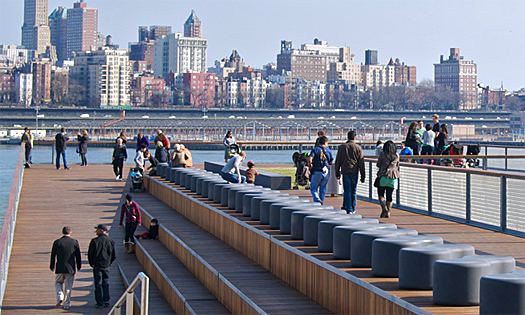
(50, 199)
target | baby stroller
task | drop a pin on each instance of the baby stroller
(137, 180)
(473, 149)
(453, 149)
(302, 172)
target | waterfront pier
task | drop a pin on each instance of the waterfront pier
(209, 259)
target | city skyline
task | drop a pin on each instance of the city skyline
(491, 33)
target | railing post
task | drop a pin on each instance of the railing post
(503, 204)
(144, 297)
(468, 204)
(506, 159)
(485, 163)
(429, 190)
(370, 181)
(129, 303)
(398, 193)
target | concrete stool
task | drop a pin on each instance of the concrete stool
(275, 212)
(233, 190)
(176, 175)
(342, 236)
(172, 175)
(325, 231)
(285, 215)
(200, 182)
(264, 213)
(217, 189)
(161, 169)
(167, 174)
(502, 293)
(416, 265)
(247, 200)
(361, 244)
(206, 185)
(256, 203)
(385, 252)
(297, 221)
(457, 281)
(310, 226)
(239, 195)
(195, 178)
(189, 176)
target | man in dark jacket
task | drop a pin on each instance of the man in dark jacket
(120, 154)
(101, 255)
(26, 138)
(66, 253)
(60, 147)
(349, 162)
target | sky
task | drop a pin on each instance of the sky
(489, 32)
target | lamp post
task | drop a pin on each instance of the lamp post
(37, 108)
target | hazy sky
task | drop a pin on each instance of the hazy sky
(489, 32)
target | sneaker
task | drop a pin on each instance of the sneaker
(67, 168)
(120, 178)
(106, 303)
(98, 306)
(116, 178)
(59, 303)
(66, 307)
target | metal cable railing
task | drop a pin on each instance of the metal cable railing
(127, 297)
(483, 198)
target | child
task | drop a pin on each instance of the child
(152, 233)
(250, 173)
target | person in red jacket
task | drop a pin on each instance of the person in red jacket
(131, 210)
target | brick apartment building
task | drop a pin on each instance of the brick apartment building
(199, 89)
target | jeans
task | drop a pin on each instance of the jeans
(350, 191)
(427, 150)
(63, 153)
(381, 192)
(63, 287)
(318, 182)
(101, 279)
(233, 178)
(130, 230)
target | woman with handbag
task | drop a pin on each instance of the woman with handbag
(387, 177)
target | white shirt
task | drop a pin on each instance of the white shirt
(233, 165)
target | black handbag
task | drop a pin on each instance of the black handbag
(376, 182)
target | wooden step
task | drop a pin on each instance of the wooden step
(239, 283)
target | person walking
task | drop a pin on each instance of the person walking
(142, 140)
(349, 163)
(61, 139)
(65, 261)
(228, 141)
(120, 155)
(132, 213)
(320, 134)
(388, 174)
(140, 160)
(82, 147)
(231, 171)
(26, 139)
(101, 254)
(320, 159)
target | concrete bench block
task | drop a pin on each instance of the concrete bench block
(200, 183)
(325, 230)
(161, 169)
(247, 200)
(232, 190)
(416, 265)
(267, 179)
(503, 293)
(342, 236)
(297, 221)
(264, 215)
(385, 252)
(275, 212)
(217, 192)
(206, 185)
(257, 203)
(457, 281)
(240, 194)
(311, 226)
(285, 215)
(361, 244)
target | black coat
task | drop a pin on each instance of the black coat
(66, 253)
(82, 144)
(161, 155)
(120, 152)
(101, 252)
(60, 142)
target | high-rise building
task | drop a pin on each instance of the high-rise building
(376, 76)
(58, 29)
(404, 75)
(192, 26)
(301, 64)
(41, 82)
(35, 30)
(345, 69)
(458, 75)
(199, 89)
(82, 28)
(104, 76)
(16, 55)
(144, 50)
(370, 57)
(179, 54)
(153, 33)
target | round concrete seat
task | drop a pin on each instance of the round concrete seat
(275, 212)
(206, 185)
(161, 169)
(264, 213)
(172, 175)
(184, 171)
(416, 265)
(256, 203)
(167, 174)
(189, 176)
(200, 182)
(361, 244)
(285, 215)
(217, 190)
(232, 190)
(385, 252)
(342, 236)
(195, 178)
(175, 177)
(325, 230)
(297, 221)
(311, 226)
(247, 200)
(502, 293)
(239, 196)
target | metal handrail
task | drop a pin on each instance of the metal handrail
(8, 227)
(127, 296)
